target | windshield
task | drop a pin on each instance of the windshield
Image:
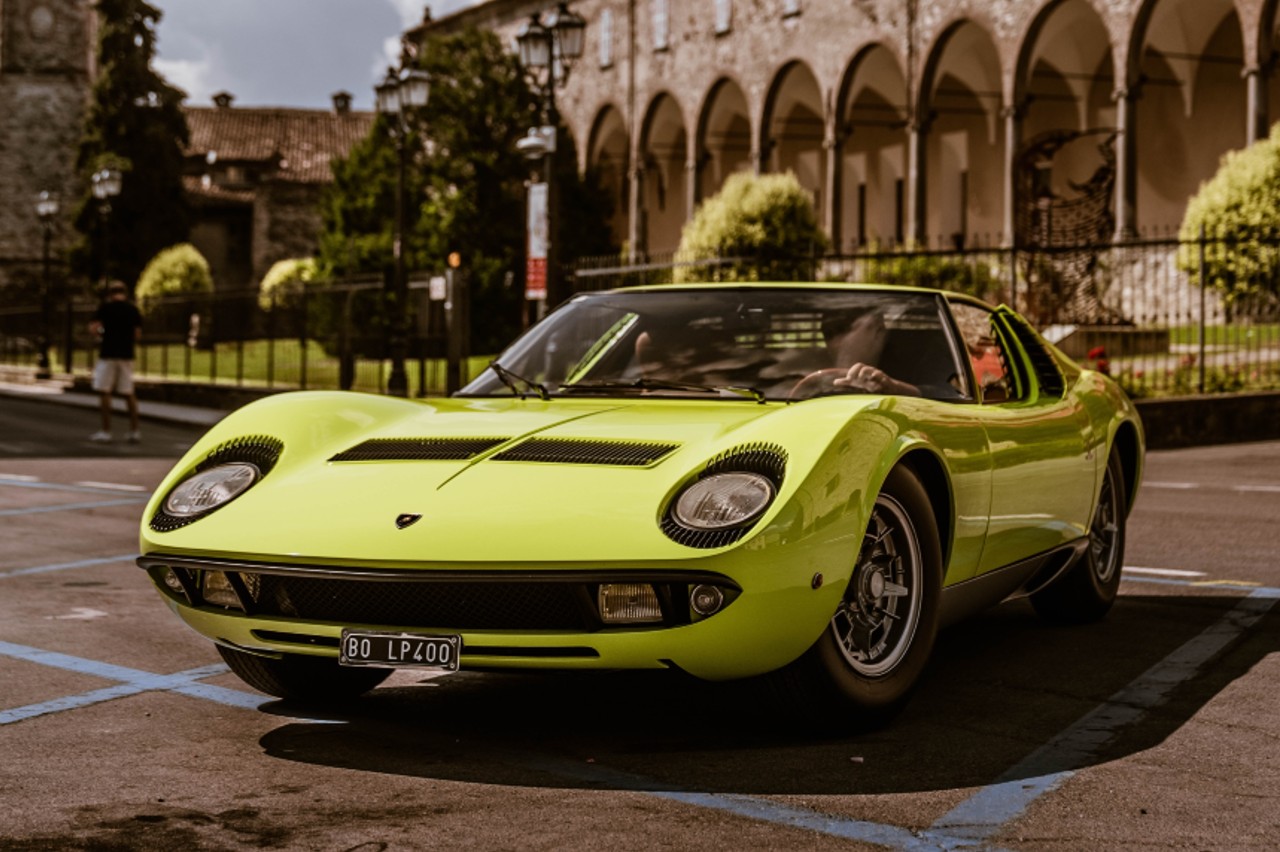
(784, 343)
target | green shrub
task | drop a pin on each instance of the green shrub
(973, 275)
(282, 286)
(1239, 212)
(766, 221)
(178, 271)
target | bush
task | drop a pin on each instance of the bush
(972, 275)
(767, 221)
(282, 286)
(1239, 212)
(176, 272)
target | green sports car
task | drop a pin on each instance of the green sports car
(794, 480)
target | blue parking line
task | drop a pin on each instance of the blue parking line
(56, 486)
(65, 566)
(988, 811)
(67, 507)
(132, 682)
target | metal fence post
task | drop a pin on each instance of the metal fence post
(302, 340)
(1203, 287)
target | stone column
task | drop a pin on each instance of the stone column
(1012, 116)
(917, 186)
(1126, 206)
(1257, 100)
(831, 210)
(635, 225)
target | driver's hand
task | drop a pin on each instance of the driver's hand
(865, 377)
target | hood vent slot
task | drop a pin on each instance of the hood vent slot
(418, 449)
(587, 451)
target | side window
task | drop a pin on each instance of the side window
(990, 363)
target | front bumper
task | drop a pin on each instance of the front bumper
(508, 618)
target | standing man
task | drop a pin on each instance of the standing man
(118, 324)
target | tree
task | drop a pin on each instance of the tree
(134, 123)
(282, 286)
(767, 222)
(465, 185)
(1239, 212)
(178, 271)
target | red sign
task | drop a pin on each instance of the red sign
(535, 278)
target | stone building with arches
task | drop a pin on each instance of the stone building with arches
(917, 121)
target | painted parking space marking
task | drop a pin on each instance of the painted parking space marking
(971, 824)
(112, 486)
(8, 478)
(70, 507)
(1258, 489)
(1163, 572)
(82, 488)
(1175, 486)
(984, 814)
(66, 566)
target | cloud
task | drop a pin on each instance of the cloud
(193, 76)
(410, 11)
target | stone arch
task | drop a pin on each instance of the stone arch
(1064, 83)
(724, 136)
(871, 122)
(663, 187)
(793, 128)
(1187, 59)
(608, 159)
(960, 102)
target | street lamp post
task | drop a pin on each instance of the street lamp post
(550, 45)
(107, 183)
(46, 211)
(400, 95)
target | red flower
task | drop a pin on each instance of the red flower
(1103, 366)
(1097, 352)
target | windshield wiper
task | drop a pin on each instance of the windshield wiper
(509, 379)
(664, 384)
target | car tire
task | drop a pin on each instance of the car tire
(865, 665)
(1086, 591)
(302, 679)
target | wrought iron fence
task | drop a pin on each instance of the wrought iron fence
(319, 337)
(1163, 316)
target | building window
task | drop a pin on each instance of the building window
(790, 7)
(661, 25)
(606, 38)
(724, 16)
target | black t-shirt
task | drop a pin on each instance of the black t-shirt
(119, 319)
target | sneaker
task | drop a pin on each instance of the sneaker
(101, 437)
(135, 436)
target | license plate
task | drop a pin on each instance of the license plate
(399, 650)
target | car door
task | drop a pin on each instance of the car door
(1041, 479)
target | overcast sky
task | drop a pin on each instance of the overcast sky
(284, 52)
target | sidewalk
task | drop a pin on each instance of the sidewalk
(15, 382)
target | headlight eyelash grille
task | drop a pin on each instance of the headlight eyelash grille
(768, 460)
(262, 451)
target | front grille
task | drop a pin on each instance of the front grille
(418, 449)
(455, 600)
(449, 605)
(587, 451)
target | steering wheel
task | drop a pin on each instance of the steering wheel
(819, 381)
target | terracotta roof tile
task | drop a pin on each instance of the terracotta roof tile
(304, 141)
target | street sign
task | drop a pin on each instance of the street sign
(535, 276)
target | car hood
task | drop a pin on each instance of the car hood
(563, 481)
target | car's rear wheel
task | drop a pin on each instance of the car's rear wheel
(308, 680)
(870, 657)
(1088, 588)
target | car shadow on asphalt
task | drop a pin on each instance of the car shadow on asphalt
(998, 687)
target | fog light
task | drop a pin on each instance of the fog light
(217, 589)
(706, 600)
(174, 584)
(628, 603)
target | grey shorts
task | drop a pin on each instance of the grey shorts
(113, 374)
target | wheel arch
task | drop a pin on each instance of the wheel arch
(1127, 445)
(932, 473)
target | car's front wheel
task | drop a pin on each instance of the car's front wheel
(303, 679)
(870, 657)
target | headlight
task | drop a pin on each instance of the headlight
(210, 489)
(723, 500)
